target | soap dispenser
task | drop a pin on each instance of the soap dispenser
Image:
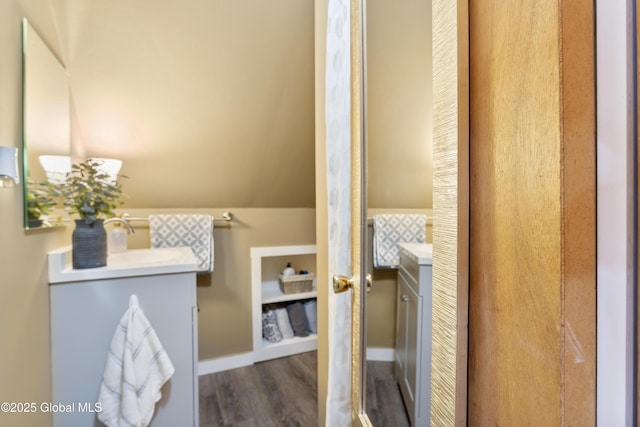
(117, 239)
(288, 271)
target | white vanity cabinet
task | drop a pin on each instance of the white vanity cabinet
(86, 307)
(413, 330)
(266, 263)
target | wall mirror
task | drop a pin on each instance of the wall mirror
(399, 179)
(429, 101)
(46, 125)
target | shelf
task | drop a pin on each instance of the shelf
(294, 340)
(271, 293)
(268, 251)
(266, 264)
(285, 347)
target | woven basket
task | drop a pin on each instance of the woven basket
(296, 284)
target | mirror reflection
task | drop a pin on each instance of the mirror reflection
(46, 127)
(399, 145)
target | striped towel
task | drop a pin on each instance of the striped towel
(391, 229)
(194, 231)
(137, 366)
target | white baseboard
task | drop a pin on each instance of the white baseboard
(381, 354)
(211, 366)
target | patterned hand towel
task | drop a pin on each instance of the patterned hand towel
(391, 229)
(270, 331)
(136, 368)
(194, 231)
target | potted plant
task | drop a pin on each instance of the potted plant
(93, 195)
(40, 201)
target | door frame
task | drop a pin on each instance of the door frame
(616, 389)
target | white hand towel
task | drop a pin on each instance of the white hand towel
(284, 324)
(391, 229)
(137, 366)
(194, 231)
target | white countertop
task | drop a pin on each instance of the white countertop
(422, 253)
(134, 262)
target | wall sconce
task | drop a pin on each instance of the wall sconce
(8, 166)
(56, 167)
(109, 166)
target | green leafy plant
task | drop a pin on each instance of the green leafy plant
(90, 192)
(40, 198)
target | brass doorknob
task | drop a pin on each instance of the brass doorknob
(344, 283)
(341, 284)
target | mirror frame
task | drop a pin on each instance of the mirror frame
(450, 30)
(450, 322)
(358, 213)
(61, 131)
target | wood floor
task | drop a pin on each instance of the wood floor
(384, 403)
(283, 393)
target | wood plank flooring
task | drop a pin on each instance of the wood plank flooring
(276, 393)
(384, 403)
(283, 393)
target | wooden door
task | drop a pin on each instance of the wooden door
(532, 295)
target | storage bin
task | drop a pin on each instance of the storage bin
(296, 284)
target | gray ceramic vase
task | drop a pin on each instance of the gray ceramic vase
(89, 244)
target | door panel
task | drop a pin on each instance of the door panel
(407, 343)
(413, 321)
(532, 279)
(401, 327)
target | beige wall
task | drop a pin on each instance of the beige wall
(24, 300)
(208, 103)
(399, 104)
(399, 132)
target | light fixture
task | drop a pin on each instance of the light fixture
(109, 166)
(56, 167)
(8, 166)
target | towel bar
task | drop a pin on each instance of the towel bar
(226, 216)
(370, 220)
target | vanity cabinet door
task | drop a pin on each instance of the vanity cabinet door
(409, 306)
(401, 331)
(84, 317)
